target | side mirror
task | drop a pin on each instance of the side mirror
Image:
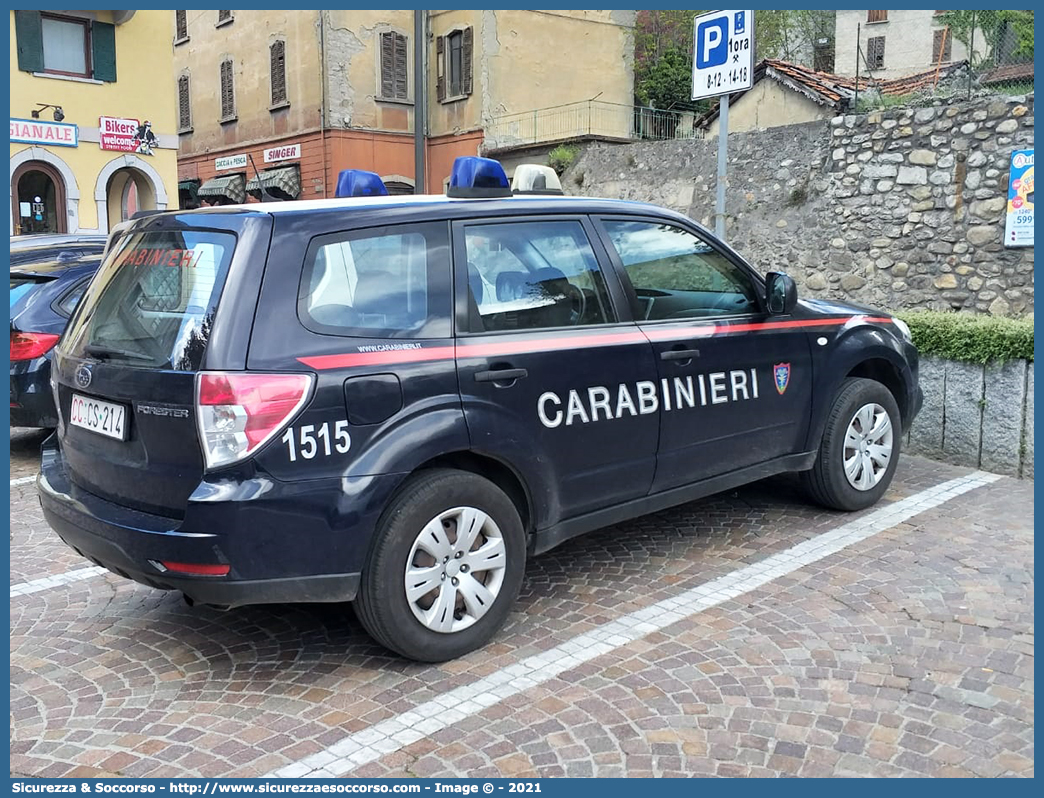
(780, 294)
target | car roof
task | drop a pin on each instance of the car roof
(51, 267)
(535, 203)
(32, 240)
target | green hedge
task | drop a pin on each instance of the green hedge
(971, 338)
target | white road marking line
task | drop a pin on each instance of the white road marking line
(47, 582)
(397, 732)
(23, 480)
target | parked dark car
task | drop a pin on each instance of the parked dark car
(47, 280)
(42, 247)
(398, 400)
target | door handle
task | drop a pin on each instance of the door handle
(500, 375)
(679, 354)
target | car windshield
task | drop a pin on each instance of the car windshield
(153, 300)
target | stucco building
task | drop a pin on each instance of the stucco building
(297, 96)
(92, 119)
(896, 43)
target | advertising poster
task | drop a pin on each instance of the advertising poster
(1018, 224)
(126, 135)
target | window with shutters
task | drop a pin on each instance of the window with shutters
(180, 27)
(224, 17)
(876, 16)
(395, 60)
(66, 46)
(228, 92)
(277, 58)
(875, 47)
(941, 45)
(454, 55)
(184, 105)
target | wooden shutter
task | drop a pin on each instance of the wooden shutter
(941, 45)
(277, 51)
(184, 108)
(875, 47)
(401, 67)
(387, 64)
(228, 97)
(29, 35)
(103, 51)
(440, 67)
(468, 48)
(876, 16)
(180, 25)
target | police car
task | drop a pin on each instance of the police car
(397, 400)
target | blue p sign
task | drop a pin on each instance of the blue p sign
(712, 43)
(739, 24)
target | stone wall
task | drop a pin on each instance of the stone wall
(901, 208)
(978, 416)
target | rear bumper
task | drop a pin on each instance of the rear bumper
(280, 560)
(32, 404)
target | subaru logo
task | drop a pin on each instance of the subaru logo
(83, 375)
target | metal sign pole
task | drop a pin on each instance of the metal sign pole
(723, 165)
(722, 64)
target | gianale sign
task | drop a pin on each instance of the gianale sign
(33, 131)
(230, 162)
(283, 153)
(118, 134)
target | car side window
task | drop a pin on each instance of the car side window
(388, 282)
(67, 304)
(677, 275)
(533, 275)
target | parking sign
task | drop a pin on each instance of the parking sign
(724, 50)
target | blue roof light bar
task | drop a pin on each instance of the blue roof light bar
(359, 183)
(474, 177)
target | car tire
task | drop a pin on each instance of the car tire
(855, 465)
(458, 535)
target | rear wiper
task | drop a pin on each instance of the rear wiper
(108, 351)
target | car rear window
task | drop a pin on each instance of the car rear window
(21, 288)
(153, 300)
(388, 282)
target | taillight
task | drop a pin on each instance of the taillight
(28, 346)
(238, 412)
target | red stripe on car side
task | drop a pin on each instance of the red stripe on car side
(705, 330)
(593, 338)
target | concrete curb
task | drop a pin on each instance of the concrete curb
(975, 415)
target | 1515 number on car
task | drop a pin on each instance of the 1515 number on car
(309, 441)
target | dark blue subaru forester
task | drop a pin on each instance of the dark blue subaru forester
(396, 400)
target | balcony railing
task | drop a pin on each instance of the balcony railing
(589, 119)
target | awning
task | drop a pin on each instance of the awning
(189, 188)
(283, 183)
(230, 187)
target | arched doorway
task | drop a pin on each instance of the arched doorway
(128, 191)
(38, 199)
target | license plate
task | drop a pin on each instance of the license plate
(105, 418)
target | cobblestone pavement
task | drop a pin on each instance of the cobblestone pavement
(908, 652)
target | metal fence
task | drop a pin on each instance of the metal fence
(589, 119)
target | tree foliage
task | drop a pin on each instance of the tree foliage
(1008, 35)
